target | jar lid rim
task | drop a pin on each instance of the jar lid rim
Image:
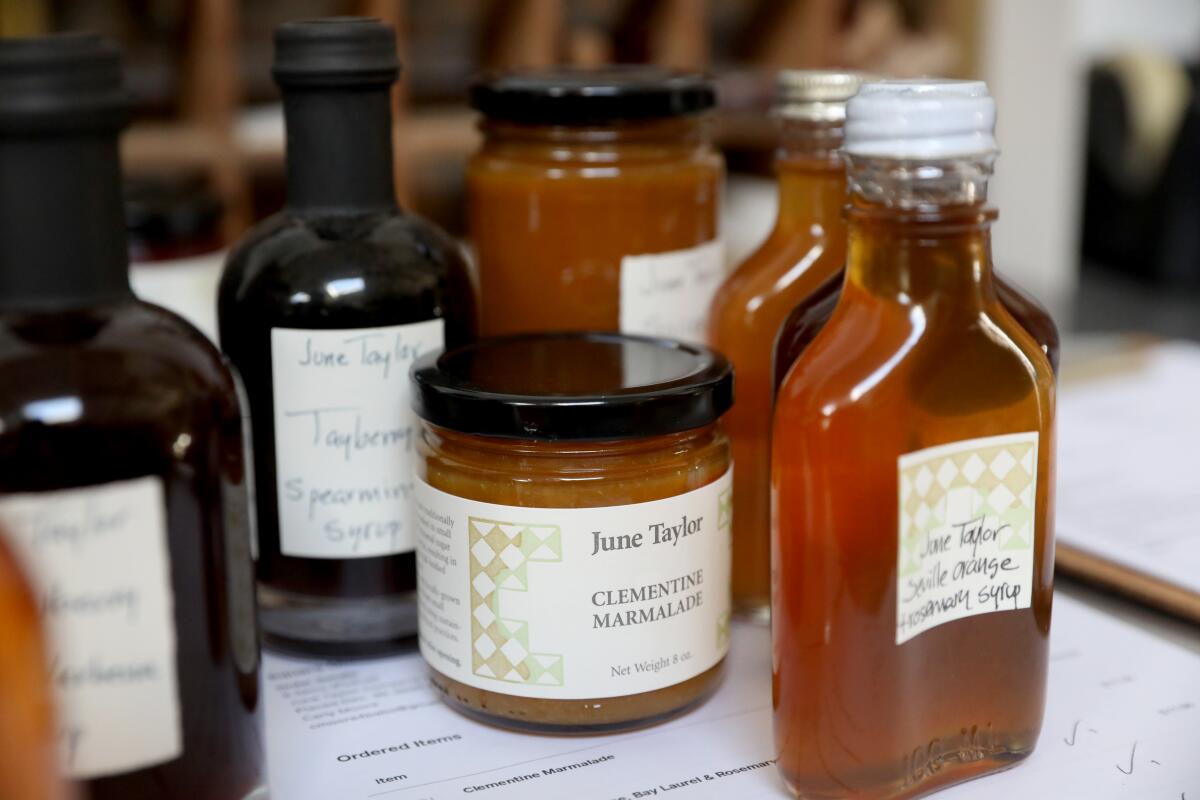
(575, 96)
(574, 386)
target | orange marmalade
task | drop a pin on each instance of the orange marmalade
(593, 203)
(573, 505)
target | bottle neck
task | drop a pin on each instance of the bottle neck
(62, 221)
(339, 149)
(919, 232)
(812, 178)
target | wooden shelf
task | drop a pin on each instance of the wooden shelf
(214, 131)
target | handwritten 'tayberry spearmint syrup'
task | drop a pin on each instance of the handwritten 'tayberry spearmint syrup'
(323, 308)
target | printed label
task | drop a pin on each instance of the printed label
(668, 294)
(966, 531)
(344, 436)
(573, 603)
(99, 561)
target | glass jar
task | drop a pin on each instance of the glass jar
(912, 479)
(573, 501)
(593, 202)
(805, 248)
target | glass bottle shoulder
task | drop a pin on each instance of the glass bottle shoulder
(295, 267)
(787, 265)
(896, 359)
(129, 363)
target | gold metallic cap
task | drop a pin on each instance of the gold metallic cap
(815, 95)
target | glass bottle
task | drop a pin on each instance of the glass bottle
(912, 479)
(322, 308)
(806, 247)
(594, 201)
(122, 480)
(805, 321)
(29, 757)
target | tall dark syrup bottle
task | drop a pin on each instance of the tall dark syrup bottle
(122, 480)
(322, 309)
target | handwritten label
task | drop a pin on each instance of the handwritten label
(668, 294)
(344, 437)
(99, 560)
(967, 531)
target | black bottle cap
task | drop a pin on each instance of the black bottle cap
(67, 81)
(573, 386)
(335, 51)
(567, 96)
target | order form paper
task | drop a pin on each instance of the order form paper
(1128, 477)
(1123, 721)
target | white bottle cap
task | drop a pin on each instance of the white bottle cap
(925, 118)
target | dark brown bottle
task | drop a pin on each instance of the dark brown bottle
(122, 480)
(806, 320)
(322, 308)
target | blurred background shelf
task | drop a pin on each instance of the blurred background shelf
(214, 55)
(1098, 123)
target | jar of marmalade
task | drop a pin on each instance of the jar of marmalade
(593, 203)
(573, 519)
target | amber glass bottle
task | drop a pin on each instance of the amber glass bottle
(122, 481)
(805, 248)
(593, 203)
(29, 757)
(322, 309)
(912, 479)
(805, 321)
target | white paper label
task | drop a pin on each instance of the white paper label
(668, 294)
(99, 560)
(967, 531)
(573, 603)
(344, 436)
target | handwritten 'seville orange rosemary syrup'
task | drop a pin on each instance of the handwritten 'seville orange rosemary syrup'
(912, 479)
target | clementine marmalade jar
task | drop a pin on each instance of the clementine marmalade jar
(573, 525)
(593, 202)
(806, 247)
(912, 479)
